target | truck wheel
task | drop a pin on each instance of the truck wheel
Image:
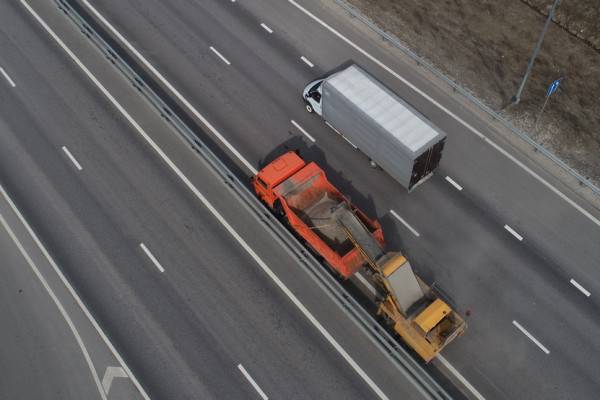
(309, 108)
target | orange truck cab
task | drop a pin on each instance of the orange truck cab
(301, 194)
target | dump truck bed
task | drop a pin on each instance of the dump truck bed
(322, 217)
(325, 218)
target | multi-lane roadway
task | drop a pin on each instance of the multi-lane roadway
(190, 310)
(125, 209)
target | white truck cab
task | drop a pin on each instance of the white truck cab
(312, 94)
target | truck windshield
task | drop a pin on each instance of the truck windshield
(262, 183)
(315, 87)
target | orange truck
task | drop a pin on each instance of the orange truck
(300, 194)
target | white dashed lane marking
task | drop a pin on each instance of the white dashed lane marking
(252, 382)
(152, 258)
(410, 228)
(73, 159)
(580, 288)
(530, 336)
(226, 61)
(266, 28)
(513, 232)
(312, 139)
(307, 61)
(7, 77)
(453, 183)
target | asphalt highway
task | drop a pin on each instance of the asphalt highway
(40, 342)
(514, 246)
(175, 288)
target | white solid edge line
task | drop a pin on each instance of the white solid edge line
(530, 336)
(58, 304)
(172, 89)
(312, 139)
(226, 61)
(73, 160)
(217, 215)
(152, 258)
(450, 113)
(252, 382)
(410, 228)
(453, 183)
(581, 288)
(460, 377)
(365, 282)
(38, 242)
(7, 77)
(307, 61)
(266, 28)
(513, 232)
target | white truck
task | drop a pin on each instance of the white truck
(376, 121)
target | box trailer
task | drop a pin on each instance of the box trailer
(376, 121)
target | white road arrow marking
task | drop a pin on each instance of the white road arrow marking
(110, 374)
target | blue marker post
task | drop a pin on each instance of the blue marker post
(551, 89)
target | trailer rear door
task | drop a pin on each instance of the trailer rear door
(426, 163)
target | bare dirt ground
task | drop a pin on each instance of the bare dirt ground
(485, 45)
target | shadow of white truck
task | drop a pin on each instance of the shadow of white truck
(376, 121)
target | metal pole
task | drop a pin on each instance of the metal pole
(540, 115)
(536, 50)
